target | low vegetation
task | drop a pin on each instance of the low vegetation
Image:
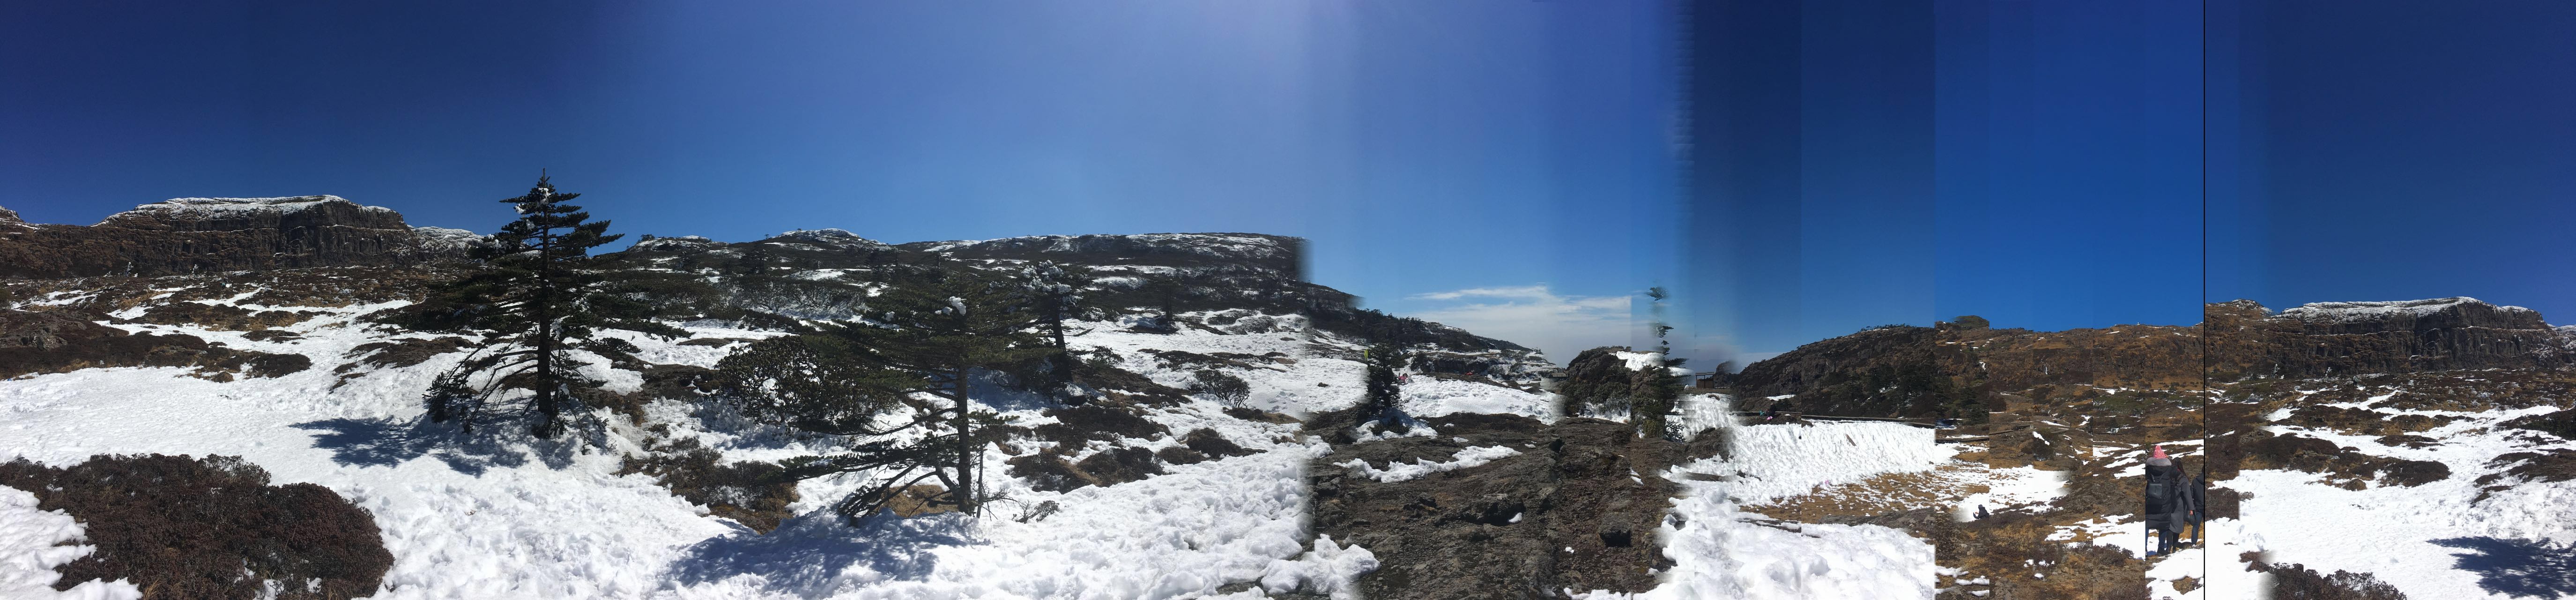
(186, 528)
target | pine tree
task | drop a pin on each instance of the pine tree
(923, 339)
(1660, 395)
(1058, 294)
(1384, 391)
(537, 298)
(752, 263)
(1169, 320)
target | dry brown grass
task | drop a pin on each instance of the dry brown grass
(1886, 493)
(919, 500)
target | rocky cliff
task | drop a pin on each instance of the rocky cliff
(2244, 340)
(2345, 338)
(198, 235)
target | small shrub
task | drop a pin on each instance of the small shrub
(1208, 442)
(184, 528)
(747, 492)
(1217, 384)
(2297, 582)
(2561, 423)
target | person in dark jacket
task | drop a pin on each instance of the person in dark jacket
(2166, 501)
(2197, 494)
(1981, 512)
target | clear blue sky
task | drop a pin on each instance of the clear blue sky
(1517, 168)
(2377, 150)
(1447, 158)
(1865, 162)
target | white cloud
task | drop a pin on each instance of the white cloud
(1533, 316)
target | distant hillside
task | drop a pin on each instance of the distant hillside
(1854, 374)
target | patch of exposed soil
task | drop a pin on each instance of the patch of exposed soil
(219, 317)
(58, 342)
(1501, 530)
(2534, 467)
(2295, 581)
(2344, 467)
(741, 491)
(2012, 550)
(2356, 421)
(1875, 499)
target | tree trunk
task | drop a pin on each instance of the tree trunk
(544, 427)
(966, 447)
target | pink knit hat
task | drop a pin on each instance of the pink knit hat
(2160, 451)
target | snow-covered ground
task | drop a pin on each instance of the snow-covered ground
(2212, 567)
(2019, 487)
(29, 553)
(492, 518)
(1719, 554)
(2429, 541)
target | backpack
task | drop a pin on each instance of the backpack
(2161, 494)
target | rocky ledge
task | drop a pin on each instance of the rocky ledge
(199, 235)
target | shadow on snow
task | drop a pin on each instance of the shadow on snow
(812, 554)
(495, 442)
(2517, 568)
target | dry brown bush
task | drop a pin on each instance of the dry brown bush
(187, 528)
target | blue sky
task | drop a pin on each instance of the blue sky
(1521, 169)
(2377, 150)
(1498, 165)
(1866, 162)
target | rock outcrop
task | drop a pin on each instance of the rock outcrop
(1229, 276)
(201, 235)
(2347, 338)
(2244, 339)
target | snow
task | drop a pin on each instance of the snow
(1778, 461)
(1328, 568)
(1702, 412)
(2213, 565)
(2353, 312)
(218, 208)
(492, 518)
(1472, 456)
(1717, 554)
(1432, 397)
(28, 553)
(829, 237)
(667, 244)
(1639, 361)
(2425, 540)
(448, 239)
(2009, 488)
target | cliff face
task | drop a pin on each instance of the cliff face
(2344, 338)
(194, 235)
(2244, 339)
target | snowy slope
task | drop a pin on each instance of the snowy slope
(490, 517)
(1721, 555)
(2424, 539)
(29, 553)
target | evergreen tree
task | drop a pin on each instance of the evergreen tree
(1057, 289)
(1659, 396)
(751, 264)
(537, 298)
(915, 347)
(1169, 321)
(1384, 392)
